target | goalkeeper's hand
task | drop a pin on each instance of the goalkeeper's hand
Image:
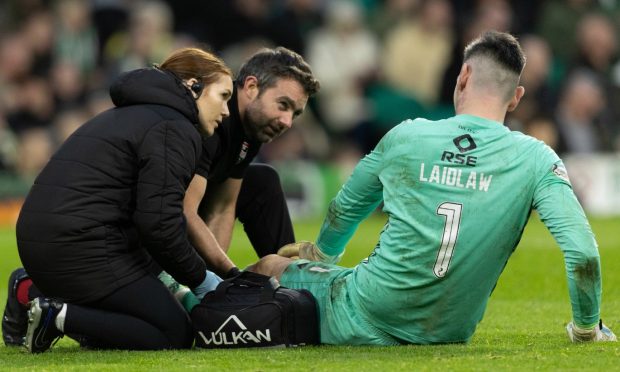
(291, 250)
(307, 250)
(599, 333)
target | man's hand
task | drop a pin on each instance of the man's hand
(599, 333)
(308, 251)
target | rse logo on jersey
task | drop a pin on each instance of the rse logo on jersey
(459, 158)
(468, 160)
(454, 176)
(458, 141)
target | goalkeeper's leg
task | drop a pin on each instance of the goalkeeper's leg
(341, 321)
(271, 265)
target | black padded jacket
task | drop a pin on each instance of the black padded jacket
(113, 192)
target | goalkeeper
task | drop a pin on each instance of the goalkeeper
(458, 194)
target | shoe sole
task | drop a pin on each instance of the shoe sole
(34, 319)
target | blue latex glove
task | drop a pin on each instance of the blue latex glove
(211, 281)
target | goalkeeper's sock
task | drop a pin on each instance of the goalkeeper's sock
(173, 286)
(188, 301)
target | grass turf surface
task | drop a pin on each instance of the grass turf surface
(523, 328)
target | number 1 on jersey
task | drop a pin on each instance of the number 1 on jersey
(452, 212)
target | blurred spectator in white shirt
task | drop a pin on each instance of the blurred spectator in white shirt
(418, 50)
(344, 57)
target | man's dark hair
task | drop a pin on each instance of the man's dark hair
(270, 65)
(500, 47)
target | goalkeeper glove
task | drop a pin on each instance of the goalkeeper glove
(208, 284)
(291, 250)
(307, 250)
(599, 333)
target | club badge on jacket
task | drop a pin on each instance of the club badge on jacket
(244, 151)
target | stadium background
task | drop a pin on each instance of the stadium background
(379, 62)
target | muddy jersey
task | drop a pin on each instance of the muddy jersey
(458, 193)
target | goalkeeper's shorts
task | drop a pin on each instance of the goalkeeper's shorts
(341, 322)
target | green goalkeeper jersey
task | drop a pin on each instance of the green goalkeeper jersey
(458, 194)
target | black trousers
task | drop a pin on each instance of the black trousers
(261, 208)
(143, 315)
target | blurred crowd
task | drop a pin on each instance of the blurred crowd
(379, 62)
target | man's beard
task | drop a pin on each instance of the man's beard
(255, 123)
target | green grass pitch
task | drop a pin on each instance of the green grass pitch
(523, 328)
